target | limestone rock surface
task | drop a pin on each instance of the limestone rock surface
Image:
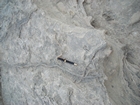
(100, 36)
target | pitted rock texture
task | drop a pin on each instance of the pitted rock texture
(101, 36)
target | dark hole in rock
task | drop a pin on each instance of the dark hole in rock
(95, 24)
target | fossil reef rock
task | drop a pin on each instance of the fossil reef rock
(101, 36)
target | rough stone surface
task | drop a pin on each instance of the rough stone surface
(101, 36)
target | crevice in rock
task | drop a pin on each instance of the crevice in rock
(1, 99)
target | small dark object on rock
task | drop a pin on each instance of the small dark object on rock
(64, 60)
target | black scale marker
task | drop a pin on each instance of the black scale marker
(67, 61)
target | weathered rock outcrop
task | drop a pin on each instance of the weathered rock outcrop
(102, 37)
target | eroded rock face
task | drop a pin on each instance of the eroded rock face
(100, 37)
